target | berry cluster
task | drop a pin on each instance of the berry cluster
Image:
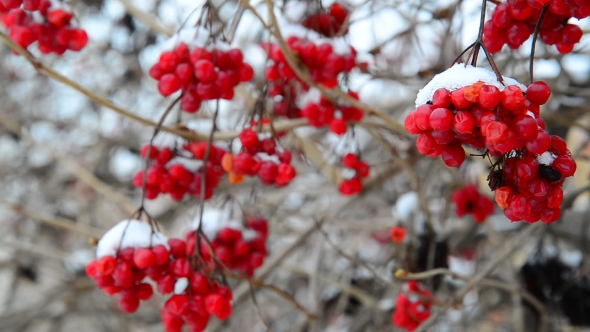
(261, 157)
(412, 307)
(529, 187)
(168, 265)
(54, 33)
(469, 200)
(167, 175)
(326, 113)
(512, 23)
(397, 234)
(480, 115)
(359, 170)
(325, 63)
(242, 250)
(328, 23)
(201, 74)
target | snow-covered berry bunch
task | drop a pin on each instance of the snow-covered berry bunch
(239, 246)
(468, 200)
(262, 157)
(513, 22)
(179, 171)
(336, 116)
(478, 114)
(52, 30)
(202, 73)
(131, 252)
(328, 22)
(529, 186)
(357, 170)
(412, 306)
(468, 106)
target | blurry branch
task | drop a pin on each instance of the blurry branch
(498, 258)
(401, 274)
(147, 19)
(235, 22)
(35, 249)
(80, 172)
(257, 307)
(302, 73)
(54, 221)
(361, 295)
(352, 259)
(260, 284)
(315, 155)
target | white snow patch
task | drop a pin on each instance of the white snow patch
(129, 234)
(460, 76)
(546, 158)
(180, 286)
(572, 259)
(405, 205)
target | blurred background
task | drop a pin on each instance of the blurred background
(66, 166)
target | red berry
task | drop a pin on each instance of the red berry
(565, 165)
(489, 96)
(168, 84)
(538, 92)
(181, 268)
(144, 258)
(350, 160)
(162, 254)
(177, 248)
(58, 17)
(458, 98)
(249, 138)
(145, 291)
(338, 126)
(463, 122)
(205, 71)
(453, 155)
(422, 117)
(410, 124)
(105, 266)
(166, 284)
(541, 144)
(129, 302)
(513, 99)
(441, 119)
(441, 98)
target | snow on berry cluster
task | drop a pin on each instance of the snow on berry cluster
(262, 157)
(335, 115)
(512, 23)
(355, 171)
(412, 306)
(52, 31)
(131, 253)
(239, 246)
(177, 170)
(529, 186)
(480, 114)
(469, 200)
(466, 106)
(328, 22)
(202, 73)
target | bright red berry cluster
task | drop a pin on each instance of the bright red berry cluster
(412, 307)
(201, 74)
(262, 158)
(239, 250)
(54, 33)
(165, 176)
(480, 116)
(330, 22)
(125, 274)
(361, 170)
(512, 23)
(326, 113)
(468, 200)
(323, 61)
(532, 165)
(529, 187)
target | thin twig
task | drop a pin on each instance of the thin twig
(66, 224)
(147, 19)
(257, 307)
(534, 43)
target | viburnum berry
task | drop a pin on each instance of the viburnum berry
(469, 200)
(398, 234)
